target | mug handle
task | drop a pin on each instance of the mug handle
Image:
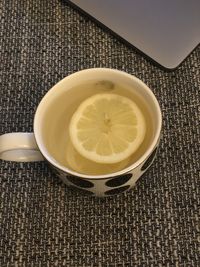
(20, 147)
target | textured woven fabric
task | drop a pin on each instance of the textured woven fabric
(44, 223)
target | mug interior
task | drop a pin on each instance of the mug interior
(58, 105)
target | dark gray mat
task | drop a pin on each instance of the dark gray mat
(42, 222)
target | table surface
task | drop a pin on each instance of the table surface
(43, 222)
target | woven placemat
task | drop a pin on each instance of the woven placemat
(44, 223)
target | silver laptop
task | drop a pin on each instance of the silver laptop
(166, 31)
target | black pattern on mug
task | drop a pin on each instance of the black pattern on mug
(80, 182)
(149, 160)
(119, 180)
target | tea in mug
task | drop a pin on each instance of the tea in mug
(68, 151)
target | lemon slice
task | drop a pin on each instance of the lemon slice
(107, 128)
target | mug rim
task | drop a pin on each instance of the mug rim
(128, 169)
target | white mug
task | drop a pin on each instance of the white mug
(49, 128)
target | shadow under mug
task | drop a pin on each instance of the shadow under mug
(24, 147)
